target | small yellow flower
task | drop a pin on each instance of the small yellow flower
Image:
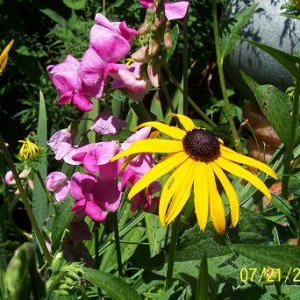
(4, 56)
(29, 150)
(196, 157)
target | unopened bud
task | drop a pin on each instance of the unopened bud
(141, 54)
(153, 47)
(168, 39)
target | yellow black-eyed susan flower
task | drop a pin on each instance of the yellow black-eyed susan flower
(4, 56)
(196, 157)
(29, 150)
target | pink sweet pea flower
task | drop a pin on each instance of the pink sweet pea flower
(173, 10)
(61, 143)
(96, 158)
(91, 72)
(93, 196)
(64, 77)
(137, 167)
(111, 40)
(58, 183)
(129, 78)
(106, 123)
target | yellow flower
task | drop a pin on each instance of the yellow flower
(196, 158)
(29, 150)
(4, 56)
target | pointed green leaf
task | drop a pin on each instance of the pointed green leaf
(63, 217)
(289, 61)
(39, 198)
(275, 104)
(231, 36)
(116, 288)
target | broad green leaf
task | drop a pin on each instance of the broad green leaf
(39, 197)
(252, 229)
(116, 288)
(292, 292)
(231, 36)
(275, 104)
(289, 61)
(282, 256)
(282, 205)
(75, 4)
(62, 218)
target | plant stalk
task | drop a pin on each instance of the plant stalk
(173, 243)
(26, 203)
(236, 138)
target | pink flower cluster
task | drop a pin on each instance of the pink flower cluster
(95, 186)
(97, 190)
(77, 81)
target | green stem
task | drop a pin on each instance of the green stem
(173, 243)
(103, 7)
(290, 147)
(97, 257)
(26, 203)
(236, 138)
(118, 246)
(167, 94)
(185, 61)
(190, 100)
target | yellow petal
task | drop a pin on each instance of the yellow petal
(170, 187)
(157, 171)
(217, 212)
(239, 158)
(151, 146)
(201, 195)
(4, 56)
(186, 122)
(171, 131)
(238, 171)
(230, 192)
(182, 194)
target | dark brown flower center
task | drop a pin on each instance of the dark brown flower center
(202, 145)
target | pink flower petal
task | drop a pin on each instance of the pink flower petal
(62, 192)
(139, 135)
(82, 103)
(176, 10)
(95, 212)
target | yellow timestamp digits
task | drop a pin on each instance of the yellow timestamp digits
(269, 275)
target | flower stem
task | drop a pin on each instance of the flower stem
(190, 100)
(236, 138)
(26, 203)
(117, 241)
(290, 147)
(185, 61)
(97, 258)
(173, 243)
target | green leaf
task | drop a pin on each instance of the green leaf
(39, 197)
(75, 4)
(275, 104)
(115, 287)
(282, 256)
(174, 38)
(63, 217)
(231, 36)
(289, 61)
(252, 229)
(22, 276)
(54, 16)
